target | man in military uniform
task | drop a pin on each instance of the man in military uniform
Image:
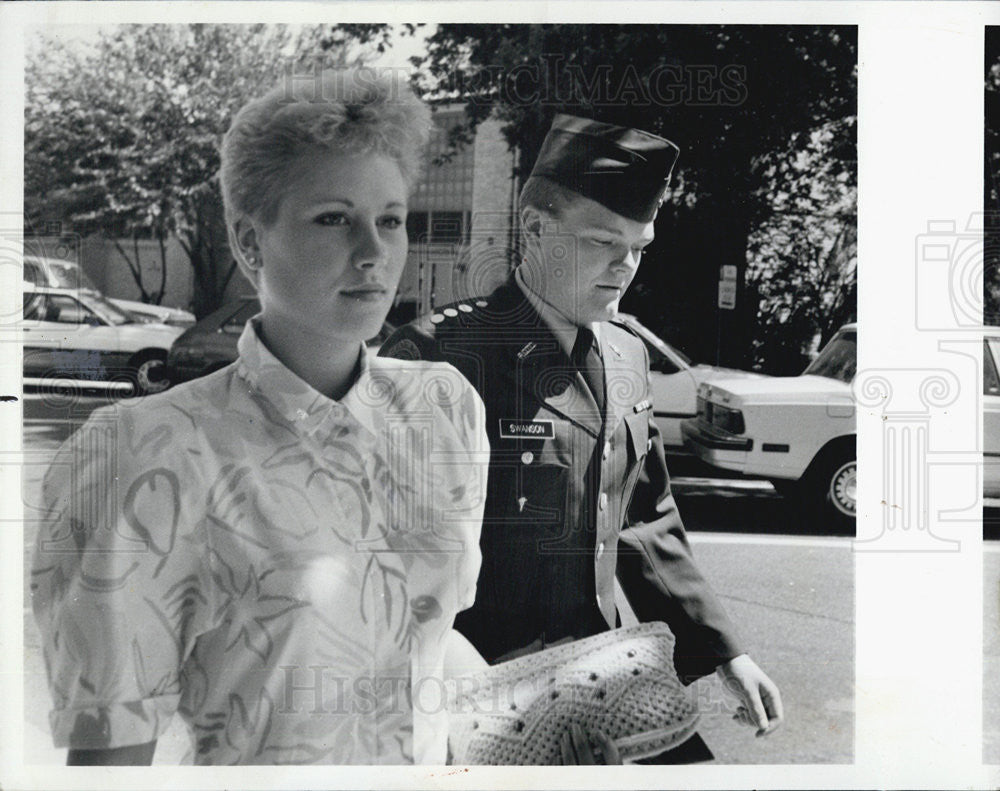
(578, 490)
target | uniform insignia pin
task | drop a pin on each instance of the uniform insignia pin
(521, 501)
(615, 349)
(528, 349)
(641, 406)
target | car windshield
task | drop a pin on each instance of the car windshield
(110, 312)
(838, 360)
(56, 274)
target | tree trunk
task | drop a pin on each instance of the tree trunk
(161, 240)
(134, 267)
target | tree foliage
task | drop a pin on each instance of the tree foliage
(122, 137)
(802, 259)
(991, 180)
(727, 95)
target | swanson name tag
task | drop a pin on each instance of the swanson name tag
(536, 429)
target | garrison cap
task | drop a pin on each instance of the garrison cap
(625, 170)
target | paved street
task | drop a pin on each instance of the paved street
(791, 595)
(991, 636)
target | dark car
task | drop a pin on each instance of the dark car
(211, 343)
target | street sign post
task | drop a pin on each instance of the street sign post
(727, 301)
(727, 287)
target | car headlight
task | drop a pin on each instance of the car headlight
(722, 417)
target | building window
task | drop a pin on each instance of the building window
(417, 223)
(438, 227)
(447, 227)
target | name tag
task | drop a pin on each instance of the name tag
(537, 429)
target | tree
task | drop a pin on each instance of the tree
(726, 94)
(991, 181)
(122, 137)
(802, 260)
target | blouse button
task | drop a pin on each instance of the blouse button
(607, 451)
(602, 503)
(600, 549)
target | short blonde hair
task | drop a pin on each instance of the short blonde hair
(358, 110)
(546, 195)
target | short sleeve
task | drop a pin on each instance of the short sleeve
(460, 464)
(118, 585)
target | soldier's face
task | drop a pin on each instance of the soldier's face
(589, 256)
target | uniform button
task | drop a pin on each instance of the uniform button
(602, 502)
(607, 451)
(450, 312)
(465, 308)
(437, 318)
(600, 549)
(527, 457)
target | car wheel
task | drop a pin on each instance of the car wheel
(149, 373)
(834, 486)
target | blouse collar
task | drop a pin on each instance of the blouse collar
(294, 399)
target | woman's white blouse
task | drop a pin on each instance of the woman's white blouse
(281, 568)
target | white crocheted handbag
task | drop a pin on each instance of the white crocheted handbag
(621, 682)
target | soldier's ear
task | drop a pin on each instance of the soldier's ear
(531, 221)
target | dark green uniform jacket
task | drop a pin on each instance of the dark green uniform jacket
(571, 499)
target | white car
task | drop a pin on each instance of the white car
(70, 334)
(797, 431)
(674, 382)
(59, 273)
(991, 412)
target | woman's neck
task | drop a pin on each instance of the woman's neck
(328, 365)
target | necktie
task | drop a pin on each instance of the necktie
(587, 361)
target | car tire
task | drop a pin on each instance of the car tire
(832, 486)
(148, 372)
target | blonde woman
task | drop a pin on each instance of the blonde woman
(276, 552)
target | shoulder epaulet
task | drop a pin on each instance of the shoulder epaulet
(622, 325)
(452, 314)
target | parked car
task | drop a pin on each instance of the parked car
(797, 431)
(60, 273)
(991, 412)
(674, 382)
(73, 334)
(211, 343)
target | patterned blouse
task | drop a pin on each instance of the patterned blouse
(281, 568)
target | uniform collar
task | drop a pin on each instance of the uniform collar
(293, 398)
(561, 327)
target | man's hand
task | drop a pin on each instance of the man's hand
(760, 701)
